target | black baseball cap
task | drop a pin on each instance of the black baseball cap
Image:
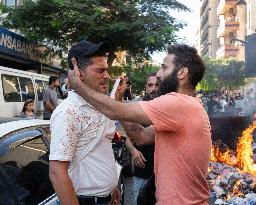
(86, 49)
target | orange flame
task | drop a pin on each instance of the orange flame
(243, 159)
(244, 151)
(226, 157)
(213, 151)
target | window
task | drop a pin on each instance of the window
(11, 88)
(26, 164)
(39, 89)
(45, 84)
(27, 89)
(25, 151)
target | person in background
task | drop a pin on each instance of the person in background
(50, 97)
(128, 91)
(28, 110)
(151, 87)
(223, 103)
(213, 105)
(64, 88)
(143, 155)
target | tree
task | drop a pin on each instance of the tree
(224, 74)
(137, 26)
(136, 74)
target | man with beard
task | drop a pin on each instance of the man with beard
(142, 155)
(179, 127)
(151, 87)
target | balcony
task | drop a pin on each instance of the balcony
(224, 5)
(227, 50)
(229, 25)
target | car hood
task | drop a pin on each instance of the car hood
(9, 127)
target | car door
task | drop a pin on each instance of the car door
(24, 175)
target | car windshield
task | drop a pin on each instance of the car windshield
(24, 169)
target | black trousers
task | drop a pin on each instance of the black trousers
(84, 200)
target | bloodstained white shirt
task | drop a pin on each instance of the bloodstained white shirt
(77, 127)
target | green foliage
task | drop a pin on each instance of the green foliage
(137, 26)
(223, 74)
(137, 75)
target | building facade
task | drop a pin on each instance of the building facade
(251, 17)
(250, 54)
(208, 28)
(232, 29)
(224, 27)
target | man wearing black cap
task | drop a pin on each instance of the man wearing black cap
(50, 97)
(82, 164)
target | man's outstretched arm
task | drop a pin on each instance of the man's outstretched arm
(113, 109)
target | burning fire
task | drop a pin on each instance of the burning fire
(243, 159)
(244, 151)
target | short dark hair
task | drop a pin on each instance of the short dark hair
(52, 79)
(186, 56)
(83, 62)
(151, 75)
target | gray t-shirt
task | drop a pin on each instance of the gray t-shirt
(23, 115)
(49, 94)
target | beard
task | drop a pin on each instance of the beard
(150, 96)
(153, 94)
(169, 84)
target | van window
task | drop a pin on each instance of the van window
(39, 89)
(11, 88)
(27, 89)
(45, 84)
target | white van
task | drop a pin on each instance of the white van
(16, 87)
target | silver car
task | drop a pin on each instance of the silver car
(24, 163)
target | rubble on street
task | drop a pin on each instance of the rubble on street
(232, 174)
(228, 185)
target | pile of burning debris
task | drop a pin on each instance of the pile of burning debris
(232, 174)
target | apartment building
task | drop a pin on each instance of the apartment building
(208, 28)
(251, 17)
(224, 27)
(232, 28)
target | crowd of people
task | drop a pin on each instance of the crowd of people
(219, 103)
